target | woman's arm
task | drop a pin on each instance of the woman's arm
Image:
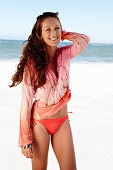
(80, 41)
(25, 133)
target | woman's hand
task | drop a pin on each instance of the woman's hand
(63, 33)
(68, 35)
(28, 152)
(80, 39)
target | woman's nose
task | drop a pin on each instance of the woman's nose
(53, 33)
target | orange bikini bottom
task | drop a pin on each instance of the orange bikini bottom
(52, 125)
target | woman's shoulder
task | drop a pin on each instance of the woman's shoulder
(29, 68)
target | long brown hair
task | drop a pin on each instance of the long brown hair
(34, 57)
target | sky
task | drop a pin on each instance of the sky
(91, 17)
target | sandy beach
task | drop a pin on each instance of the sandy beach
(91, 121)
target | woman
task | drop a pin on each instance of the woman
(44, 72)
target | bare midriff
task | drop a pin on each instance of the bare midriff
(62, 112)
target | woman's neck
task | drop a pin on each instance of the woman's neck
(51, 52)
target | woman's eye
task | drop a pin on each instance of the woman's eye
(48, 30)
(57, 27)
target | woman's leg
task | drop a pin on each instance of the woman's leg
(62, 143)
(41, 141)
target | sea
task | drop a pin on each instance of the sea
(94, 52)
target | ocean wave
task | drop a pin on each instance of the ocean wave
(94, 52)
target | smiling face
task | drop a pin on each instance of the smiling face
(51, 31)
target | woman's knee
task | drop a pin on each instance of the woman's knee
(38, 164)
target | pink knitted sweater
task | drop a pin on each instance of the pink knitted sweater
(53, 95)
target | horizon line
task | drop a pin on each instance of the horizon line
(61, 41)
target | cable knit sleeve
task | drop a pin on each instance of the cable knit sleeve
(80, 42)
(25, 133)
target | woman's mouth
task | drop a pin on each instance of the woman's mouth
(53, 39)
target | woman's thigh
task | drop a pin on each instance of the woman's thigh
(62, 143)
(41, 141)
